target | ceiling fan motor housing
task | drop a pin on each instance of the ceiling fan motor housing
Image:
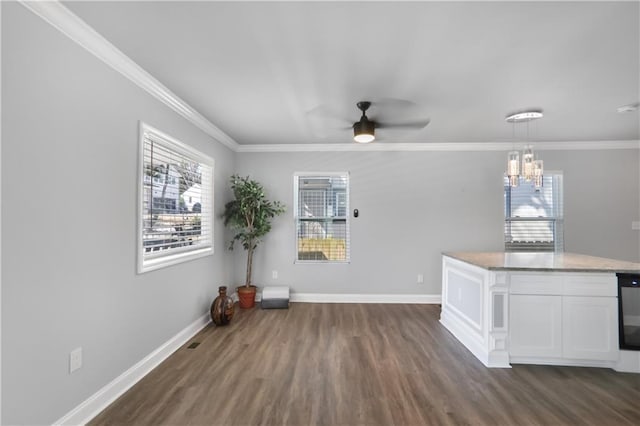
(364, 130)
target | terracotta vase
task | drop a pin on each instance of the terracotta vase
(247, 296)
(222, 308)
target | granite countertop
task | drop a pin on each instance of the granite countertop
(544, 261)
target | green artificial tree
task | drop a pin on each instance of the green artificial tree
(249, 214)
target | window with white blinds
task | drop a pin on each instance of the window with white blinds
(322, 217)
(534, 216)
(175, 201)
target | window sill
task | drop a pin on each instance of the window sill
(321, 262)
(172, 259)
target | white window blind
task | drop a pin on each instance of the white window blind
(533, 216)
(322, 217)
(176, 201)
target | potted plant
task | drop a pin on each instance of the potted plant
(249, 214)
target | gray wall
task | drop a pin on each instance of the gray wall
(415, 205)
(69, 164)
(601, 200)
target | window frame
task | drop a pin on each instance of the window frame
(174, 256)
(296, 209)
(557, 219)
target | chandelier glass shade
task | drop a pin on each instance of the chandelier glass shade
(538, 172)
(527, 163)
(513, 168)
(530, 169)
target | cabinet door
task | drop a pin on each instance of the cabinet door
(535, 325)
(590, 328)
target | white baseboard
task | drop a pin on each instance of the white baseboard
(97, 402)
(628, 362)
(366, 298)
(432, 299)
(562, 361)
(470, 338)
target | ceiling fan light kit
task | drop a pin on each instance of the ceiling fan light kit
(364, 131)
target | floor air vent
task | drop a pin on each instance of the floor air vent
(193, 345)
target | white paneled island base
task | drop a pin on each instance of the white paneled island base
(536, 308)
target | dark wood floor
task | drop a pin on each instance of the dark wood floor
(369, 364)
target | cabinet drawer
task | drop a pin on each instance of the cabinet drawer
(535, 284)
(591, 285)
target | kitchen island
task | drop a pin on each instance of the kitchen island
(536, 308)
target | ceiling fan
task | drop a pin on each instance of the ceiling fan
(364, 130)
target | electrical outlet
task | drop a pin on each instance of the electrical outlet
(274, 274)
(420, 278)
(635, 226)
(75, 360)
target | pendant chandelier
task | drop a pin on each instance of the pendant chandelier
(530, 169)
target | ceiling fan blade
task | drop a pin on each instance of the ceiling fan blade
(324, 122)
(393, 103)
(416, 125)
(328, 115)
(393, 108)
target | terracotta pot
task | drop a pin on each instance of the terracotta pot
(247, 296)
(222, 308)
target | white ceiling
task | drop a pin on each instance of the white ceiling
(292, 72)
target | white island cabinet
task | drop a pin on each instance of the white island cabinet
(536, 308)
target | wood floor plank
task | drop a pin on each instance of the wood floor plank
(361, 364)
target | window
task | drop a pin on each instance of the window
(170, 229)
(322, 217)
(533, 216)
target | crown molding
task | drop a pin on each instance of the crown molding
(442, 146)
(56, 14)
